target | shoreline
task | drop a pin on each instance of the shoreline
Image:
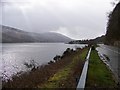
(44, 72)
(19, 54)
(63, 72)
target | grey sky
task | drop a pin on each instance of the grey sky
(78, 19)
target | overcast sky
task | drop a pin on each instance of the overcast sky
(78, 19)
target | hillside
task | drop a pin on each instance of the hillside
(91, 41)
(13, 35)
(113, 27)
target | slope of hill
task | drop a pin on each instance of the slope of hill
(113, 27)
(97, 40)
(13, 35)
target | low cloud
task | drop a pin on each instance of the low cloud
(74, 18)
(79, 32)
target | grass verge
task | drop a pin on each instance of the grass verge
(99, 76)
(64, 77)
(84, 54)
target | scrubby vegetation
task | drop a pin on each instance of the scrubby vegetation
(64, 70)
(68, 76)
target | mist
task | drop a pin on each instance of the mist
(74, 18)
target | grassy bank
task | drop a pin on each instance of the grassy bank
(61, 74)
(67, 76)
(99, 76)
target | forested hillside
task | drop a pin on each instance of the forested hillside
(113, 27)
(97, 40)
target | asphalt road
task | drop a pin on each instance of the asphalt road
(114, 58)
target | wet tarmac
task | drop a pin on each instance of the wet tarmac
(112, 54)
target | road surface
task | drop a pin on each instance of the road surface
(114, 55)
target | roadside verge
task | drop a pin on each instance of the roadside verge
(99, 76)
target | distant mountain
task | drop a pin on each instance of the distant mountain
(97, 40)
(13, 35)
(113, 27)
